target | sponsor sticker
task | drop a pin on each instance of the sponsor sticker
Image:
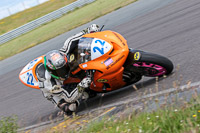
(32, 63)
(137, 56)
(108, 61)
(71, 58)
(102, 80)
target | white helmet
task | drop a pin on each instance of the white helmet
(93, 28)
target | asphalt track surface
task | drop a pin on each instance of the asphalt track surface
(170, 28)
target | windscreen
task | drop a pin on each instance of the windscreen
(92, 48)
(84, 50)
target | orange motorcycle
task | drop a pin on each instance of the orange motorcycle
(105, 57)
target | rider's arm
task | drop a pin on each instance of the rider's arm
(52, 90)
(85, 83)
(71, 42)
(46, 87)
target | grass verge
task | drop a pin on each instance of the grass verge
(61, 25)
(8, 125)
(166, 119)
(167, 113)
(21, 18)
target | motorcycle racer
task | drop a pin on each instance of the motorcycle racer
(55, 69)
(51, 75)
(103, 58)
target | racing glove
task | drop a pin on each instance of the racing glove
(91, 29)
(85, 83)
(56, 89)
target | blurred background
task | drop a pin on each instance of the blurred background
(10, 7)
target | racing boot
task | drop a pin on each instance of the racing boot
(68, 108)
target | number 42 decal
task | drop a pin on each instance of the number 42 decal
(30, 79)
(97, 48)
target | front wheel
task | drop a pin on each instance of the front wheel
(149, 64)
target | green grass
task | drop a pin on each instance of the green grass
(8, 125)
(21, 18)
(184, 119)
(166, 119)
(61, 25)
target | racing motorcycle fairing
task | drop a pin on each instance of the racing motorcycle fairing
(108, 51)
(118, 51)
(104, 83)
(28, 74)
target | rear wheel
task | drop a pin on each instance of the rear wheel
(149, 64)
(154, 65)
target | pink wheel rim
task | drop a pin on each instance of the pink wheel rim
(156, 70)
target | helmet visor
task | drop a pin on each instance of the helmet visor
(62, 72)
(56, 64)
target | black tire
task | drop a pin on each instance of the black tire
(157, 60)
(138, 57)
